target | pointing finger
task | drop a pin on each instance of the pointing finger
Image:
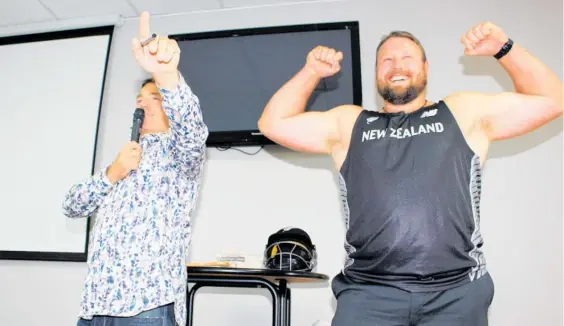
(144, 26)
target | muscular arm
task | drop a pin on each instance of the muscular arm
(531, 76)
(285, 122)
(536, 101)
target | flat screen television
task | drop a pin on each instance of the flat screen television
(235, 72)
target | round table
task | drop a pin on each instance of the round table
(274, 280)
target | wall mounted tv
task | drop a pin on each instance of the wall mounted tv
(235, 72)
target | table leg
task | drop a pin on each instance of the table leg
(288, 306)
(277, 312)
(285, 302)
(190, 303)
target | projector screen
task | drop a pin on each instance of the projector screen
(52, 85)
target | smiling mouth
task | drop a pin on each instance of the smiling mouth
(398, 79)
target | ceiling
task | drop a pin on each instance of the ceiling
(21, 12)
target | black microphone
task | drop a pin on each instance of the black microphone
(138, 117)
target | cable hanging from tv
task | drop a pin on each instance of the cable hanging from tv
(224, 148)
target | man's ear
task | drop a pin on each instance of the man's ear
(427, 68)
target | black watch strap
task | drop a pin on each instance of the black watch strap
(504, 49)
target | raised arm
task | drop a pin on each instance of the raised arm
(189, 132)
(284, 120)
(160, 57)
(537, 99)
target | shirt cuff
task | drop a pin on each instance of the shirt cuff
(180, 93)
(102, 181)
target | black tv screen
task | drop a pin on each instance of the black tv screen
(234, 73)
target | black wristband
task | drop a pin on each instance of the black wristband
(504, 49)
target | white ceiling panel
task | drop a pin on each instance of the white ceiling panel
(14, 12)
(65, 9)
(247, 3)
(174, 6)
(254, 3)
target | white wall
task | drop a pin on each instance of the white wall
(245, 198)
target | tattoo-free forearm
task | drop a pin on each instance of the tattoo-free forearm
(531, 76)
(292, 97)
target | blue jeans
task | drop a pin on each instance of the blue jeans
(161, 316)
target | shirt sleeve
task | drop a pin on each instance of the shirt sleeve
(84, 198)
(188, 130)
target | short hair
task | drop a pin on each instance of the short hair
(402, 34)
(147, 81)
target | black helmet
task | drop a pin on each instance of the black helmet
(290, 249)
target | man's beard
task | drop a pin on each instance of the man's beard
(404, 96)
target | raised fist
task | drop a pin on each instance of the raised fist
(324, 61)
(484, 39)
(157, 56)
(127, 160)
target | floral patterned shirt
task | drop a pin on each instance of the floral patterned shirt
(137, 249)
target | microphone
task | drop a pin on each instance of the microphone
(138, 117)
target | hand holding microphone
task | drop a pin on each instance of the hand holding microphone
(127, 160)
(138, 117)
(130, 155)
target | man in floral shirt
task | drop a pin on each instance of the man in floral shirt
(143, 200)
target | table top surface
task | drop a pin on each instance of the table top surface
(270, 274)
